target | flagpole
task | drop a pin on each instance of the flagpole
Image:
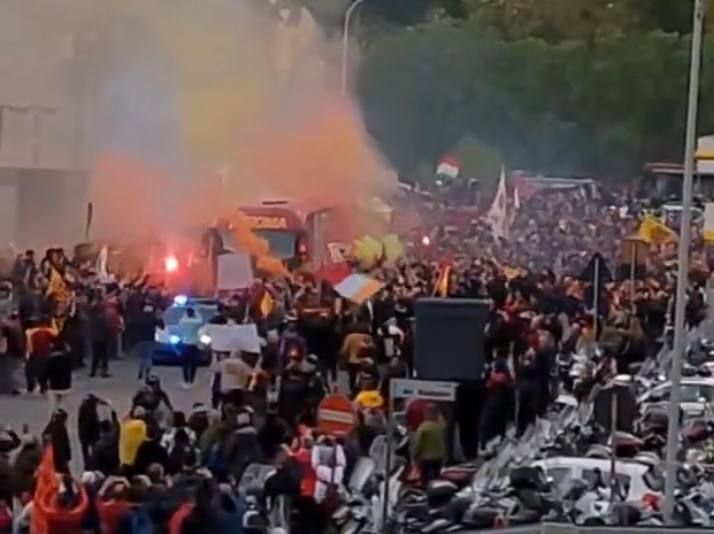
(596, 294)
(633, 271)
(683, 259)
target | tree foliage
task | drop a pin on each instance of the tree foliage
(479, 161)
(603, 106)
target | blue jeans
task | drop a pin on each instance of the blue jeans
(144, 351)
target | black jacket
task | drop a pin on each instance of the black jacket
(88, 420)
(150, 452)
(145, 326)
(59, 371)
(105, 455)
(99, 324)
(56, 430)
(25, 466)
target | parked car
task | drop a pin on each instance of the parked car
(697, 396)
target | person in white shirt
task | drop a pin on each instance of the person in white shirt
(236, 374)
(190, 324)
(328, 461)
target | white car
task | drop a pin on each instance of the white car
(630, 475)
(697, 396)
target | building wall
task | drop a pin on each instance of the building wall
(50, 207)
(43, 194)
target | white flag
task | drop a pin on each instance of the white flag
(101, 266)
(515, 206)
(498, 212)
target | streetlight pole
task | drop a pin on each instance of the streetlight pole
(683, 259)
(346, 42)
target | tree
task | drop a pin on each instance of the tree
(479, 161)
(558, 20)
(404, 13)
(552, 20)
(604, 106)
(413, 87)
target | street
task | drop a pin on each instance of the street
(34, 410)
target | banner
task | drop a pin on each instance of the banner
(339, 252)
(234, 272)
(233, 337)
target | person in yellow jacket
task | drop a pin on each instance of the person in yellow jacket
(355, 347)
(131, 435)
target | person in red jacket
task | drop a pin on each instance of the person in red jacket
(112, 504)
(40, 339)
(308, 509)
(65, 511)
(304, 457)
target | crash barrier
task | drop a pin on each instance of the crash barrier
(556, 528)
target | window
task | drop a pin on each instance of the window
(560, 474)
(173, 315)
(695, 393)
(282, 243)
(623, 481)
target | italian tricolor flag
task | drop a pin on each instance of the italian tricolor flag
(448, 166)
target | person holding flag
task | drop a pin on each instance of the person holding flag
(655, 232)
(497, 215)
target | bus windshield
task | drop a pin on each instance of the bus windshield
(282, 243)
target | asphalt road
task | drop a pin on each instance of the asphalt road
(34, 410)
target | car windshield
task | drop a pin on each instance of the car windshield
(689, 393)
(173, 315)
(697, 392)
(591, 477)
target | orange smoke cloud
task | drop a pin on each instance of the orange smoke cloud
(275, 129)
(124, 192)
(319, 152)
(247, 241)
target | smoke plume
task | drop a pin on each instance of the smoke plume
(193, 108)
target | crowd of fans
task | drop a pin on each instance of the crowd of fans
(155, 468)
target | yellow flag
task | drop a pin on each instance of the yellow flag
(266, 304)
(653, 231)
(56, 285)
(393, 248)
(367, 250)
(511, 273)
(441, 288)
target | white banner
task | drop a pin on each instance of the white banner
(234, 272)
(234, 337)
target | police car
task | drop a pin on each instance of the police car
(179, 333)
